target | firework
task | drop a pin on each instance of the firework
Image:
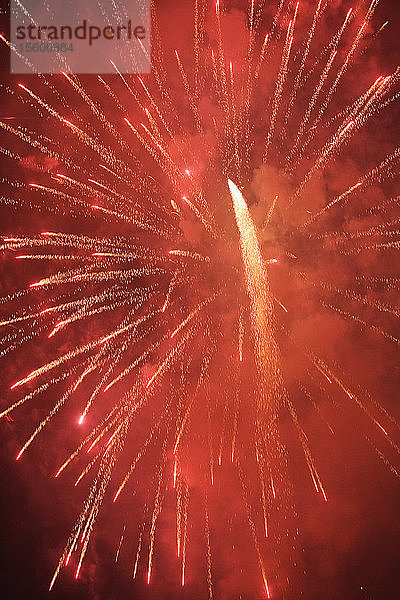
(167, 295)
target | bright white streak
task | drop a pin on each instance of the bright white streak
(262, 304)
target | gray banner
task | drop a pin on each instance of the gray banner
(80, 37)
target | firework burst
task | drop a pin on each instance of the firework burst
(195, 218)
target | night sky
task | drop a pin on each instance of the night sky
(347, 548)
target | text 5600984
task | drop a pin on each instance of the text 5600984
(27, 47)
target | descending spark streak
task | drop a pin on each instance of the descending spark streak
(137, 555)
(156, 513)
(188, 93)
(209, 560)
(313, 102)
(331, 204)
(308, 44)
(184, 532)
(254, 534)
(45, 421)
(120, 544)
(178, 514)
(135, 462)
(261, 58)
(343, 68)
(240, 336)
(310, 462)
(280, 81)
(73, 353)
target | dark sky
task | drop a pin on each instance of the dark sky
(347, 548)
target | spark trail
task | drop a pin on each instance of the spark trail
(262, 305)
